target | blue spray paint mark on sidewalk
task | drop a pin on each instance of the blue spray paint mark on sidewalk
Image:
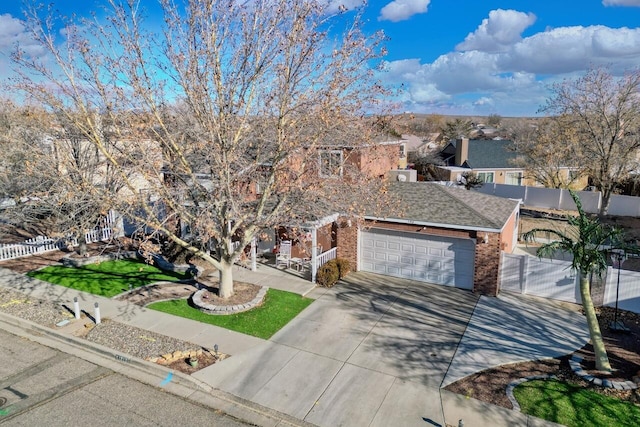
(167, 380)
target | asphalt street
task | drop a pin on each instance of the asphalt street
(42, 386)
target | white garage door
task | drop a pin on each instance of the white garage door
(435, 259)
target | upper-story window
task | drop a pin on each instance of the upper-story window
(485, 176)
(330, 163)
(403, 151)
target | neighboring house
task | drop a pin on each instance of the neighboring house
(438, 234)
(418, 146)
(482, 131)
(493, 161)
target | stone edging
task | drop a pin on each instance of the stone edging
(206, 307)
(574, 364)
(513, 384)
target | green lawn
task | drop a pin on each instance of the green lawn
(574, 406)
(278, 308)
(107, 278)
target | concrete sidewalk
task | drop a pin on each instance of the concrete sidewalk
(375, 351)
(202, 334)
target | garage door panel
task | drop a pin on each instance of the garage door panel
(406, 260)
(380, 244)
(436, 259)
(393, 246)
(393, 258)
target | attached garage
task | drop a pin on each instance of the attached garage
(435, 259)
(436, 234)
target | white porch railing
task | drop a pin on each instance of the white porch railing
(321, 259)
(325, 257)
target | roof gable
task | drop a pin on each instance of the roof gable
(452, 207)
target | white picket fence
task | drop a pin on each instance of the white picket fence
(554, 279)
(41, 244)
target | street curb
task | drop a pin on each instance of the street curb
(176, 383)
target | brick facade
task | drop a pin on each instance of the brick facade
(347, 241)
(487, 264)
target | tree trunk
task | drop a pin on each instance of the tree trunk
(82, 244)
(226, 279)
(602, 360)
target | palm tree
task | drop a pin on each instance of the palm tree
(590, 243)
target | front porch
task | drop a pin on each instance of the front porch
(300, 251)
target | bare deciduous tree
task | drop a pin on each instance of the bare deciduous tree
(219, 97)
(604, 112)
(547, 150)
(49, 175)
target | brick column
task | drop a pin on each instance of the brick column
(487, 264)
(347, 241)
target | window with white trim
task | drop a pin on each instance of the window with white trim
(485, 176)
(330, 163)
(513, 178)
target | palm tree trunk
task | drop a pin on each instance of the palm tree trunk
(602, 360)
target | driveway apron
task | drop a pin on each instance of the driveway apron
(371, 351)
(375, 351)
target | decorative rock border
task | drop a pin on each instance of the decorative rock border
(513, 384)
(574, 364)
(206, 307)
(576, 367)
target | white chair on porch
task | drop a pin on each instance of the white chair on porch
(283, 257)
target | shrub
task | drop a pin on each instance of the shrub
(344, 267)
(328, 274)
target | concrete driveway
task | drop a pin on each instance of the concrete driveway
(372, 351)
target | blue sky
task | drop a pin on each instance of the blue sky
(468, 57)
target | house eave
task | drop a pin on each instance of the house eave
(434, 224)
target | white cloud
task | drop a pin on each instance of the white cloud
(14, 33)
(495, 62)
(334, 6)
(484, 101)
(400, 10)
(569, 49)
(633, 3)
(497, 33)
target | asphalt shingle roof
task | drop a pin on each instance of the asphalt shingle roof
(450, 207)
(487, 154)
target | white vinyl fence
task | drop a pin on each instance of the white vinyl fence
(112, 227)
(554, 279)
(629, 290)
(548, 278)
